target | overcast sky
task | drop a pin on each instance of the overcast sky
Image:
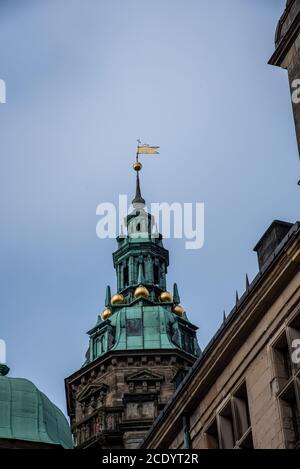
(84, 81)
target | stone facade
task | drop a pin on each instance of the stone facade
(244, 391)
(287, 54)
(113, 401)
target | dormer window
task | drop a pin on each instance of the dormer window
(99, 346)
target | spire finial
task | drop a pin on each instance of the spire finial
(176, 297)
(247, 283)
(107, 296)
(142, 149)
(137, 166)
(236, 297)
(138, 199)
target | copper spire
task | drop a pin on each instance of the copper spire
(138, 199)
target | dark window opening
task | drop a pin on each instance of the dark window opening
(156, 274)
(241, 412)
(226, 427)
(102, 348)
(291, 416)
(125, 276)
(175, 336)
(110, 341)
(212, 436)
(286, 372)
(232, 426)
(138, 227)
(95, 348)
(133, 327)
(187, 342)
(282, 361)
(293, 335)
(179, 377)
(247, 442)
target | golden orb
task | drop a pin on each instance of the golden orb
(106, 314)
(165, 297)
(141, 291)
(137, 166)
(178, 310)
(117, 299)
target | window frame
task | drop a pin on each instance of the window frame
(228, 413)
(290, 384)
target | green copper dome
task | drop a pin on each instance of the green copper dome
(27, 414)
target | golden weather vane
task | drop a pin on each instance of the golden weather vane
(144, 149)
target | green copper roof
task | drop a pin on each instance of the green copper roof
(148, 322)
(27, 414)
(143, 326)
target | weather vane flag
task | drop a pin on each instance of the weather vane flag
(145, 149)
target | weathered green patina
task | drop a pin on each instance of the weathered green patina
(26, 414)
(147, 322)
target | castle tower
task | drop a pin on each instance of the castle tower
(287, 54)
(139, 349)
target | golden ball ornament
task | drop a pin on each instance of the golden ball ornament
(178, 309)
(137, 166)
(141, 291)
(165, 297)
(117, 299)
(106, 314)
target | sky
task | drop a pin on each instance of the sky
(84, 81)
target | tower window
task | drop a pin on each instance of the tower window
(156, 274)
(134, 327)
(102, 344)
(138, 227)
(99, 346)
(187, 342)
(125, 276)
(95, 348)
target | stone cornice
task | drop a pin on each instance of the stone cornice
(113, 356)
(285, 42)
